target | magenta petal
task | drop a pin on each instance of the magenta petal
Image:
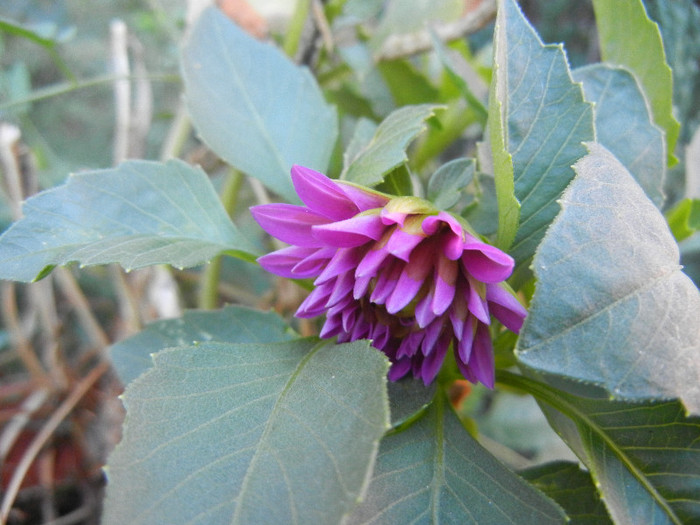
(361, 286)
(343, 259)
(314, 263)
(289, 223)
(505, 307)
(477, 305)
(371, 262)
(399, 369)
(341, 290)
(386, 282)
(481, 361)
(315, 302)
(433, 361)
(466, 342)
(322, 195)
(487, 263)
(431, 336)
(409, 345)
(283, 262)
(402, 243)
(331, 328)
(445, 285)
(424, 313)
(350, 232)
(405, 290)
(363, 199)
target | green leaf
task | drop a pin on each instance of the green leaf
(407, 84)
(643, 55)
(435, 472)
(537, 116)
(387, 148)
(252, 106)
(643, 457)
(137, 214)
(624, 125)
(222, 433)
(408, 398)
(232, 324)
(573, 489)
(447, 183)
(684, 218)
(612, 306)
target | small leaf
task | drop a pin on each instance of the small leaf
(407, 85)
(643, 55)
(684, 218)
(408, 398)
(612, 306)
(447, 183)
(624, 125)
(222, 433)
(232, 324)
(435, 472)
(137, 214)
(537, 116)
(572, 489)
(387, 149)
(252, 106)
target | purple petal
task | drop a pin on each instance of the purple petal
(289, 223)
(409, 345)
(361, 286)
(401, 244)
(341, 290)
(445, 285)
(466, 342)
(424, 312)
(387, 281)
(390, 217)
(481, 361)
(431, 336)
(331, 328)
(363, 199)
(351, 232)
(371, 262)
(432, 362)
(315, 302)
(477, 305)
(322, 195)
(451, 242)
(380, 336)
(505, 307)
(399, 369)
(285, 261)
(314, 264)
(344, 259)
(487, 263)
(410, 282)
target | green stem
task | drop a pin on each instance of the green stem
(209, 291)
(296, 28)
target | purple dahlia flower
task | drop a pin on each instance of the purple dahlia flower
(394, 270)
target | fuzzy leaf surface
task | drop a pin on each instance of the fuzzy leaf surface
(435, 472)
(138, 214)
(222, 433)
(232, 324)
(612, 306)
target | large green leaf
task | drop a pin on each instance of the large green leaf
(387, 148)
(222, 433)
(612, 306)
(138, 214)
(252, 106)
(643, 457)
(435, 472)
(232, 324)
(573, 489)
(643, 55)
(539, 118)
(624, 125)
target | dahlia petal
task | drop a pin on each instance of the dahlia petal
(289, 223)
(348, 316)
(361, 286)
(409, 345)
(285, 261)
(371, 262)
(332, 327)
(505, 307)
(392, 217)
(341, 290)
(405, 290)
(399, 369)
(444, 285)
(424, 312)
(363, 199)
(350, 232)
(314, 263)
(478, 306)
(315, 302)
(360, 330)
(321, 194)
(451, 242)
(386, 282)
(487, 263)
(465, 370)
(401, 244)
(431, 336)
(433, 361)
(481, 361)
(343, 259)
(465, 344)
(380, 336)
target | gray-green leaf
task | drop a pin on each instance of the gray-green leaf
(447, 183)
(232, 324)
(624, 125)
(435, 472)
(255, 108)
(222, 433)
(387, 148)
(542, 121)
(612, 306)
(137, 214)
